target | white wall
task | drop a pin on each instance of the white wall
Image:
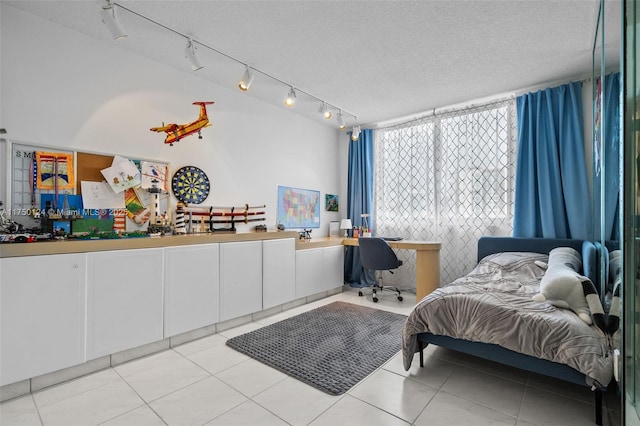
(63, 89)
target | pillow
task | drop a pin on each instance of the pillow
(564, 287)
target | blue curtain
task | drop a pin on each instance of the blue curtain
(359, 201)
(552, 193)
(611, 156)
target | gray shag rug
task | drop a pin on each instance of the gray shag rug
(331, 348)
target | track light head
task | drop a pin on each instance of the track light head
(324, 111)
(291, 98)
(341, 124)
(246, 80)
(110, 19)
(192, 57)
(355, 134)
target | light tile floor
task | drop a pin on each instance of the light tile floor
(206, 383)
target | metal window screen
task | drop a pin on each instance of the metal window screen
(448, 178)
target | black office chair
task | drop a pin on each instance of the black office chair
(376, 254)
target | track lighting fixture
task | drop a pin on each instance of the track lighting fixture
(355, 134)
(326, 113)
(192, 57)
(110, 19)
(246, 80)
(341, 124)
(291, 98)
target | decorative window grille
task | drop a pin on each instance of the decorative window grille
(449, 178)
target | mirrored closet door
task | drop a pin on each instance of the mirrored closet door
(631, 226)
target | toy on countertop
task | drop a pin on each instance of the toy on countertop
(175, 132)
(305, 235)
(8, 226)
(158, 223)
(180, 227)
(13, 232)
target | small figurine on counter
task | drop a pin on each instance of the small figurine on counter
(180, 227)
(305, 235)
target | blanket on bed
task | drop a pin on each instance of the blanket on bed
(492, 304)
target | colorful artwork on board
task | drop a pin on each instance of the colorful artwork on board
(54, 170)
(122, 174)
(137, 213)
(154, 171)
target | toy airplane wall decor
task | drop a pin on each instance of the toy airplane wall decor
(175, 132)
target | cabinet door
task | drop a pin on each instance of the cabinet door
(191, 287)
(279, 272)
(42, 304)
(124, 300)
(240, 279)
(309, 272)
(333, 258)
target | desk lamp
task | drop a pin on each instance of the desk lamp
(346, 225)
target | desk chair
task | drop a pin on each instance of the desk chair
(376, 254)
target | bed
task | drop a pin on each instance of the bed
(490, 313)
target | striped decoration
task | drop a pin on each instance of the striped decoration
(119, 223)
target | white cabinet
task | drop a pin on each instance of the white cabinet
(279, 272)
(42, 323)
(124, 300)
(61, 310)
(309, 272)
(191, 287)
(240, 279)
(333, 261)
(318, 270)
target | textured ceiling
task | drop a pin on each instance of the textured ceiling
(378, 60)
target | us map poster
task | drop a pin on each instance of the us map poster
(298, 208)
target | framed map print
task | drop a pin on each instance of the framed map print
(298, 208)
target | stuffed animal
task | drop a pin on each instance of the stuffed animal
(564, 287)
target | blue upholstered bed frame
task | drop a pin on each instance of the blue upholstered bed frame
(490, 245)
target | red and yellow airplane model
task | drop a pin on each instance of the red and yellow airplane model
(175, 132)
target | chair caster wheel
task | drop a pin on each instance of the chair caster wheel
(360, 293)
(375, 300)
(399, 298)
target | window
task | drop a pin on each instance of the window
(449, 178)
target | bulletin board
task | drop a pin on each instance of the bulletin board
(31, 183)
(89, 166)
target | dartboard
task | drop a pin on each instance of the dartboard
(190, 185)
